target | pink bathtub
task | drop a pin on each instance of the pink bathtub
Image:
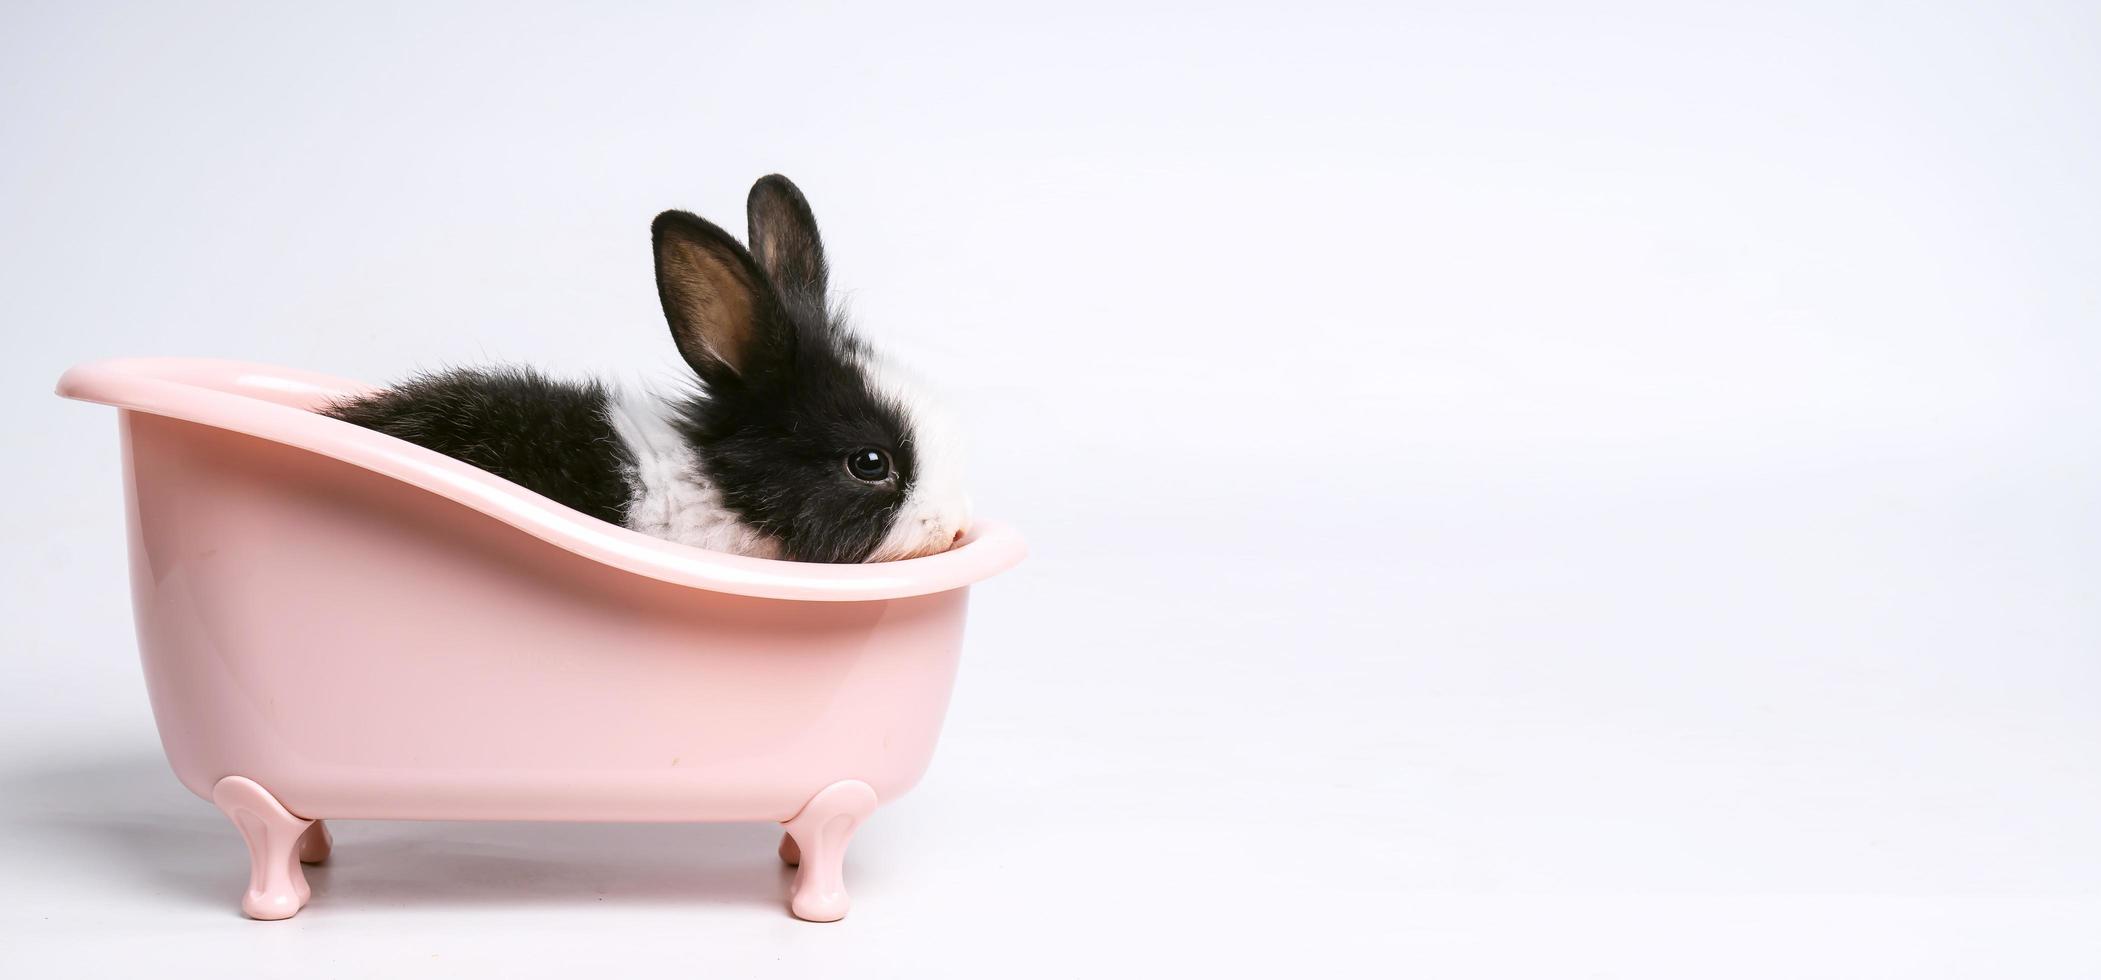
(336, 624)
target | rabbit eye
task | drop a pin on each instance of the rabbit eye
(871, 465)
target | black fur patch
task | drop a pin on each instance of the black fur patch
(787, 399)
(551, 437)
(775, 447)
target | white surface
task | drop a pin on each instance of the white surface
(1516, 492)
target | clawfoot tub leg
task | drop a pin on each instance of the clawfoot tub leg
(816, 845)
(277, 841)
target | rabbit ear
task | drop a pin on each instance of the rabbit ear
(784, 238)
(722, 309)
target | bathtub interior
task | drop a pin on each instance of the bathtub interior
(279, 405)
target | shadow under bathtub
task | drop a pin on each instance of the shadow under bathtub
(124, 819)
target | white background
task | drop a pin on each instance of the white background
(1601, 490)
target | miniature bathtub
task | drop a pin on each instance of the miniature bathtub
(336, 624)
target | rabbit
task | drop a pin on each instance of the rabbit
(796, 440)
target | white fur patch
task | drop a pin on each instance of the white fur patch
(936, 509)
(673, 499)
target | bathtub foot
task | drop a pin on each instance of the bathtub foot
(276, 842)
(816, 845)
(316, 845)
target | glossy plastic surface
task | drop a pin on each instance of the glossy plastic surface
(335, 624)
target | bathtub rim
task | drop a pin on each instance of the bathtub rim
(264, 401)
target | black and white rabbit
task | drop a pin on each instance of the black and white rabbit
(799, 442)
